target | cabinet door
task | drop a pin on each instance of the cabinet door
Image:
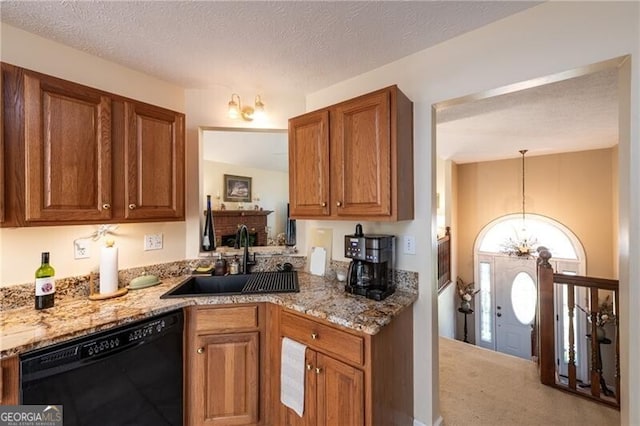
(225, 380)
(154, 163)
(2, 153)
(361, 156)
(9, 375)
(340, 391)
(290, 417)
(309, 165)
(68, 151)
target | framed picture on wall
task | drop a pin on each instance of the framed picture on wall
(237, 188)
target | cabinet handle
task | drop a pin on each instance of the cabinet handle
(324, 204)
(200, 350)
(309, 366)
(132, 206)
(339, 204)
(314, 336)
(318, 370)
(106, 206)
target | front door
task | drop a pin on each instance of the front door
(515, 304)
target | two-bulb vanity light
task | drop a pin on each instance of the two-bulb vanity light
(247, 113)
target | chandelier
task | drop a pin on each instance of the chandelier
(522, 244)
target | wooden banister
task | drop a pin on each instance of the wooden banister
(550, 287)
(546, 323)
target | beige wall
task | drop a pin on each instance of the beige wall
(615, 225)
(549, 38)
(20, 247)
(572, 188)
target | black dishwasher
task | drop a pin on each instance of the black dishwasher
(128, 375)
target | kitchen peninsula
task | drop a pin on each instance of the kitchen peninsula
(371, 342)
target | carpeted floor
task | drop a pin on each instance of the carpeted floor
(482, 387)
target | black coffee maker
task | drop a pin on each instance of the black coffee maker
(372, 264)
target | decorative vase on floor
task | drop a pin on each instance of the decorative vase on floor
(465, 305)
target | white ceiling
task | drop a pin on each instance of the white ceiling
(302, 46)
(288, 46)
(576, 114)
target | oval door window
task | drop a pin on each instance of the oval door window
(523, 297)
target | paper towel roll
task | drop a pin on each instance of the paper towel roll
(109, 269)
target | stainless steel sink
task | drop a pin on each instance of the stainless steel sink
(258, 283)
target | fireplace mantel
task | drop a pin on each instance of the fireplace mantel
(217, 213)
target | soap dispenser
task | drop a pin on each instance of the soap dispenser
(221, 265)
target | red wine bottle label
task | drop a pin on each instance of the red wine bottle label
(45, 286)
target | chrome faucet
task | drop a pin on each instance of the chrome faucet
(243, 231)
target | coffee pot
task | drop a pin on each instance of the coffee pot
(372, 257)
(359, 274)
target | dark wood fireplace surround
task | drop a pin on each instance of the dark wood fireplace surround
(226, 222)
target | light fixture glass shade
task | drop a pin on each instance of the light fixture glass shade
(234, 107)
(259, 113)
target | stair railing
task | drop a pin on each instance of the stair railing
(600, 309)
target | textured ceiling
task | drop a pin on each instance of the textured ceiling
(295, 47)
(577, 114)
(303, 46)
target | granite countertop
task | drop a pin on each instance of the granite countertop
(23, 329)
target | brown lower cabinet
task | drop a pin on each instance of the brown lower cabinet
(223, 375)
(232, 369)
(351, 378)
(9, 376)
(334, 394)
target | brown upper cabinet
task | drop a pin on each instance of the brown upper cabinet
(78, 155)
(354, 160)
(67, 137)
(154, 163)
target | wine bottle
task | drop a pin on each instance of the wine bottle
(290, 230)
(45, 284)
(209, 233)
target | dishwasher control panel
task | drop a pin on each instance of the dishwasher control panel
(101, 343)
(126, 337)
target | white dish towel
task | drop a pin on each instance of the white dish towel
(292, 375)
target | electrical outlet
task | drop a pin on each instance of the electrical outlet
(153, 242)
(81, 248)
(409, 244)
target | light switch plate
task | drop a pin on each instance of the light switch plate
(153, 242)
(409, 244)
